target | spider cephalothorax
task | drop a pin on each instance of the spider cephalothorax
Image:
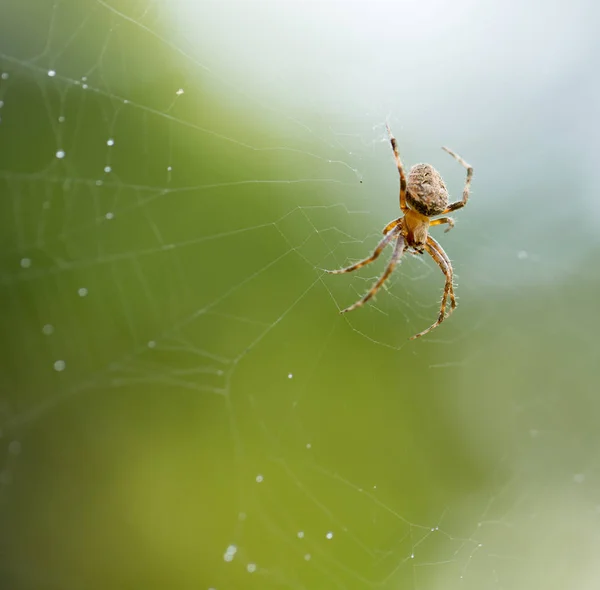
(422, 197)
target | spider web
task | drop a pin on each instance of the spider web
(181, 405)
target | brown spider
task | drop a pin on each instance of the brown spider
(422, 197)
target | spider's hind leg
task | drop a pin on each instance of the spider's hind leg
(401, 173)
(441, 220)
(459, 204)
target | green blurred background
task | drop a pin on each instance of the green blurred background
(181, 405)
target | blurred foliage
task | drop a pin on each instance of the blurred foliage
(180, 402)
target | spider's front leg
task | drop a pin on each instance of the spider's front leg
(386, 240)
(398, 250)
(392, 224)
(449, 272)
(440, 257)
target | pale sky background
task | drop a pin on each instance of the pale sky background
(182, 405)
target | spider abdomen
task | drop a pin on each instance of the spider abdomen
(426, 191)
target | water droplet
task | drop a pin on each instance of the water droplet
(110, 142)
(60, 154)
(179, 92)
(51, 73)
(82, 292)
(290, 375)
(329, 535)
(300, 534)
(230, 553)
(59, 366)
(107, 169)
(259, 478)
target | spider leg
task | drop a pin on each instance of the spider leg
(436, 245)
(441, 220)
(398, 250)
(403, 204)
(386, 240)
(458, 204)
(391, 225)
(432, 248)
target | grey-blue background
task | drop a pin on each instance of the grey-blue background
(182, 406)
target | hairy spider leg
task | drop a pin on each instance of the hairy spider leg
(380, 247)
(459, 204)
(435, 244)
(398, 250)
(391, 225)
(441, 220)
(403, 204)
(448, 289)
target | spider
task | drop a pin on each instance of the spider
(423, 196)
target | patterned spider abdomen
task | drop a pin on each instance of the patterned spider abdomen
(426, 191)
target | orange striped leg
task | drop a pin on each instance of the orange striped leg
(465, 197)
(448, 290)
(403, 204)
(435, 244)
(441, 220)
(391, 225)
(386, 240)
(398, 250)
